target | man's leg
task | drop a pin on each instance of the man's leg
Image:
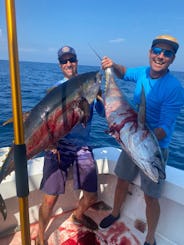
(152, 215)
(119, 197)
(85, 178)
(88, 199)
(45, 212)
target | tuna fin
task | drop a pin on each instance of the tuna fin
(160, 167)
(85, 107)
(10, 120)
(142, 109)
(3, 207)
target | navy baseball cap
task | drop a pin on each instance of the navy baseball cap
(66, 50)
(167, 39)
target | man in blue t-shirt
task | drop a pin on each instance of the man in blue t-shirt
(72, 151)
(164, 99)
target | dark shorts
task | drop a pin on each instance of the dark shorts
(126, 169)
(56, 165)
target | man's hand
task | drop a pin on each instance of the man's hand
(160, 133)
(99, 96)
(52, 148)
(119, 70)
(106, 63)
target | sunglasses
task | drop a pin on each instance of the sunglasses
(71, 60)
(166, 53)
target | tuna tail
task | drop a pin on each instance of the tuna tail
(3, 207)
(6, 169)
(8, 165)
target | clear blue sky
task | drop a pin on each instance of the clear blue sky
(120, 29)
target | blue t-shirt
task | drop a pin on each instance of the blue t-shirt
(164, 99)
(79, 135)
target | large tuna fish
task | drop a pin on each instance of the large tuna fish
(55, 115)
(130, 131)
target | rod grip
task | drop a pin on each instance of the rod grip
(21, 173)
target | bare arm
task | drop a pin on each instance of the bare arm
(119, 70)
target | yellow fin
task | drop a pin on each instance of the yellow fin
(10, 120)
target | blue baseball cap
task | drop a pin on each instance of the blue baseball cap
(66, 50)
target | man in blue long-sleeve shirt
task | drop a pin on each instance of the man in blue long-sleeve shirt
(72, 150)
(164, 99)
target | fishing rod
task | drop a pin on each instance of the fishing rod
(99, 97)
(95, 52)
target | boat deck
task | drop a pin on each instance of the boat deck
(62, 230)
(130, 229)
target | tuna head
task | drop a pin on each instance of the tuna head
(88, 91)
(91, 87)
(154, 168)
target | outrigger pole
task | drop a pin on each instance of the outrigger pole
(20, 159)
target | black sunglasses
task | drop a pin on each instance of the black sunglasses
(71, 60)
(166, 53)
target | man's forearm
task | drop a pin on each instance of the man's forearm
(119, 70)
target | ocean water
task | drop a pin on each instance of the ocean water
(36, 78)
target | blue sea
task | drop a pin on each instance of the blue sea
(37, 77)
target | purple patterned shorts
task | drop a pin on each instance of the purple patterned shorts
(56, 165)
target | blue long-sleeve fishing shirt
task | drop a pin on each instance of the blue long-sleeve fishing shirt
(79, 135)
(164, 99)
